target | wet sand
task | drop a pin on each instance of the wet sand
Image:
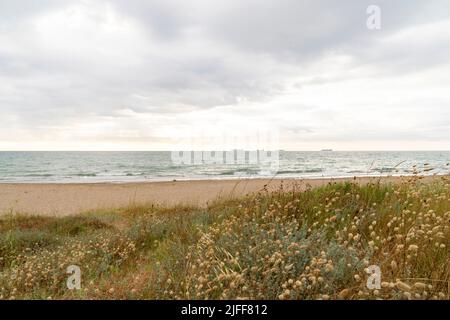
(66, 199)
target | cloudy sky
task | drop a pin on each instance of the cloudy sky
(140, 75)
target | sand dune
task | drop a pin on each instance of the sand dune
(66, 199)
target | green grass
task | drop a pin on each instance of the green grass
(313, 244)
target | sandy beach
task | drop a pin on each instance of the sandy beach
(67, 199)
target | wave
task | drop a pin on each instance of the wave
(314, 170)
(40, 175)
(384, 169)
(234, 172)
(89, 174)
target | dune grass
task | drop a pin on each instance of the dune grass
(313, 244)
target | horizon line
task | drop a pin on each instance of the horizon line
(284, 150)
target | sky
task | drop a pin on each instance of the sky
(145, 75)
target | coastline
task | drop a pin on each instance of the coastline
(60, 199)
(211, 178)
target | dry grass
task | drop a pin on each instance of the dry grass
(314, 244)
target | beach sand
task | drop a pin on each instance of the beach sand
(66, 199)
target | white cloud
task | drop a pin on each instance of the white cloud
(121, 75)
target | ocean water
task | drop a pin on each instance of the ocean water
(78, 167)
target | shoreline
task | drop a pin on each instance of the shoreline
(60, 199)
(212, 178)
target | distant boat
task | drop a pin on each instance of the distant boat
(326, 150)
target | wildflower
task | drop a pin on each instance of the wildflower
(289, 267)
(344, 293)
(420, 285)
(394, 265)
(403, 286)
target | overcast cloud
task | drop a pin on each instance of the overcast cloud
(140, 74)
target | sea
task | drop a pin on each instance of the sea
(137, 166)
